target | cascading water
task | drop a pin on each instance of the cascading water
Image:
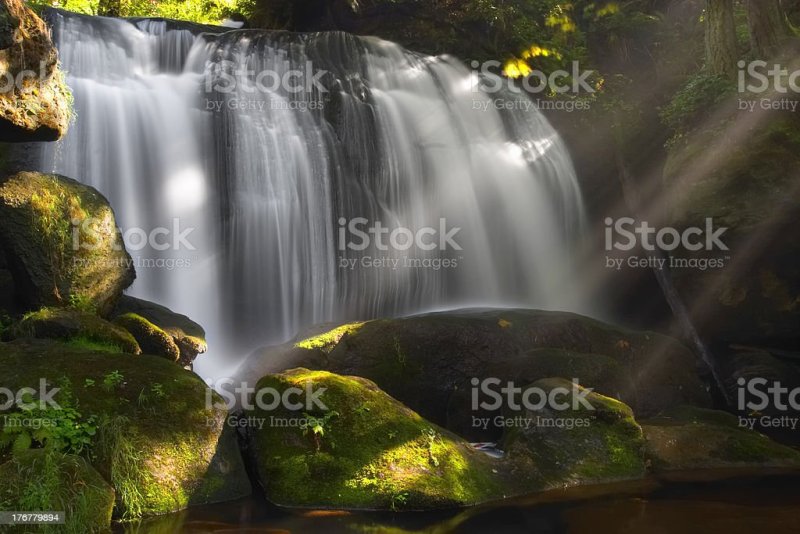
(184, 127)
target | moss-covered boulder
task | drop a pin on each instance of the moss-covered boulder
(590, 441)
(152, 339)
(428, 361)
(364, 450)
(74, 326)
(62, 243)
(160, 437)
(188, 336)
(685, 441)
(37, 107)
(46, 481)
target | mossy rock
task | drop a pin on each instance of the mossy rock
(687, 439)
(189, 336)
(44, 481)
(62, 244)
(428, 361)
(599, 442)
(372, 452)
(159, 442)
(150, 337)
(68, 324)
(39, 108)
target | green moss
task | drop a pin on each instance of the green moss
(688, 438)
(80, 329)
(86, 343)
(64, 234)
(578, 446)
(373, 451)
(156, 445)
(152, 339)
(41, 480)
(328, 340)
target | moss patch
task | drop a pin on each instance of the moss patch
(64, 246)
(79, 329)
(368, 451)
(152, 339)
(689, 438)
(158, 443)
(597, 443)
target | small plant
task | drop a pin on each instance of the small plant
(61, 428)
(112, 380)
(82, 302)
(88, 383)
(315, 427)
(398, 499)
(431, 437)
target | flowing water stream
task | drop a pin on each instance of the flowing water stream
(251, 186)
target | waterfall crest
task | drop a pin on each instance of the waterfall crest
(182, 127)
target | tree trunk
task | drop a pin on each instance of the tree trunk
(768, 27)
(721, 51)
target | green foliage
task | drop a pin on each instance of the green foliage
(701, 93)
(315, 426)
(60, 428)
(201, 11)
(112, 380)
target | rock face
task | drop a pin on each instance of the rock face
(755, 298)
(684, 440)
(595, 442)
(36, 106)
(359, 448)
(62, 244)
(429, 361)
(47, 480)
(151, 432)
(152, 321)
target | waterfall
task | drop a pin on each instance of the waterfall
(184, 128)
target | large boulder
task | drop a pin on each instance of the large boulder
(35, 103)
(582, 444)
(149, 322)
(62, 244)
(153, 430)
(691, 443)
(73, 326)
(364, 450)
(429, 362)
(49, 481)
